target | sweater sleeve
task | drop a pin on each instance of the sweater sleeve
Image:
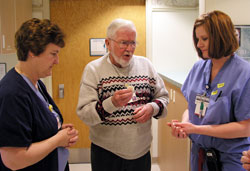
(90, 109)
(160, 97)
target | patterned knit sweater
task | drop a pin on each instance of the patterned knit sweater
(113, 128)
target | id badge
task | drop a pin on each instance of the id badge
(202, 103)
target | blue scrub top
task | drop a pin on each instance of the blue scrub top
(63, 153)
(24, 119)
(233, 105)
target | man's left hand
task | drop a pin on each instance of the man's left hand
(143, 113)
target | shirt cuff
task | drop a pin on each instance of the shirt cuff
(155, 107)
(108, 105)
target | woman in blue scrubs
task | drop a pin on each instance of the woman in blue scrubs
(217, 90)
(33, 136)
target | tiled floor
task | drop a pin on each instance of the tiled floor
(87, 167)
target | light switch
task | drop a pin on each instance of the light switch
(61, 91)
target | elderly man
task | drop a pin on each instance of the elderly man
(119, 95)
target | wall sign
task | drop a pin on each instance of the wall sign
(97, 47)
(244, 41)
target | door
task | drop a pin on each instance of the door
(170, 147)
(81, 20)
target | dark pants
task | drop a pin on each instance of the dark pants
(103, 160)
(67, 167)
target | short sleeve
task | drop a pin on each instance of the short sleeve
(184, 88)
(190, 80)
(242, 105)
(15, 121)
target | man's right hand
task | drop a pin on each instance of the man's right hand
(121, 97)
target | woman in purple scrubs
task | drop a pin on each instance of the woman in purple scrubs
(217, 90)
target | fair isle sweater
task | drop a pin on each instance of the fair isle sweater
(113, 128)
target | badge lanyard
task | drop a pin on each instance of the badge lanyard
(202, 103)
(44, 99)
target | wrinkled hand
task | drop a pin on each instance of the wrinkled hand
(143, 113)
(121, 97)
(177, 131)
(245, 160)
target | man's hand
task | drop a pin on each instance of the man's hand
(121, 97)
(143, 113)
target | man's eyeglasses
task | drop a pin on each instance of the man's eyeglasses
(125, 44)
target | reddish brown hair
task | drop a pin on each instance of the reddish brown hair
(221, 34)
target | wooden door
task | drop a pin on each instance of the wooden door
(81, 20)
(173, 153)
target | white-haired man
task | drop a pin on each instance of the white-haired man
(119, 95)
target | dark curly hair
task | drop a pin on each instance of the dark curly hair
(221, 34)
(34, 35)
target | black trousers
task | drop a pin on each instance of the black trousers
(103, 160)
(67, 167)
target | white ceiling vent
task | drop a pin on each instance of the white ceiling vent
(175, 3)
(37, 3)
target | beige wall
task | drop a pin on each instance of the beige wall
(238, 10)
(85, 19)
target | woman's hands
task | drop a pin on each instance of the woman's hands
(177, 129)
(67, 136)
(17, 158)
(245, 160)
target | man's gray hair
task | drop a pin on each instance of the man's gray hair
(117, 24)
